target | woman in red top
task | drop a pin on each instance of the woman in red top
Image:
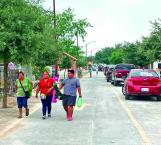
(45, 87)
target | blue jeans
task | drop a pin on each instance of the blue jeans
(22, 102)
(46, 104)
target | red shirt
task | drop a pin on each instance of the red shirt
(44, 85)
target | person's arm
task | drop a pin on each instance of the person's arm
(61, 86)
(50, 90)
(37, 90)
(79, 88)
(31, 84)
(79, 91)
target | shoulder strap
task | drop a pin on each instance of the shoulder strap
(22, 87)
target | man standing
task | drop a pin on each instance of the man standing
(71, 86)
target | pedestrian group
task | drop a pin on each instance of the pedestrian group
(45, 87)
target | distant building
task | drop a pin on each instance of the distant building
(156, 66)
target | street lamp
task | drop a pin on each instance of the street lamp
(93, 50)
(87, 46)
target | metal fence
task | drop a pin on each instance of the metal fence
(12, 76)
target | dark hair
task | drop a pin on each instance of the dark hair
(20, 73)
(71, 71)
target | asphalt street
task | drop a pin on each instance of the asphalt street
(105, 118)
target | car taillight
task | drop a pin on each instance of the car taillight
(117, 73)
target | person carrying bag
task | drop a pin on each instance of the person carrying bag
(23, 92)
(27, 94)
(45, 87)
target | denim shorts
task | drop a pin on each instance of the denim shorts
(69, 100)
(22, 102)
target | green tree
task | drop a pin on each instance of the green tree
(68, 30)
(25, 33)
(102, 56)
(117, 56)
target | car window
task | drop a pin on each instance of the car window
(143, 74)
(125, 67)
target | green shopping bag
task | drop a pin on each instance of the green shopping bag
(58, 94)
(79, 102)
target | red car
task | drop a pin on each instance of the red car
(144, 82)
(120, 73)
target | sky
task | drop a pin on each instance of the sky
(114, 21)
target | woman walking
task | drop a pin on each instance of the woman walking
(23, 88)
(45, 87)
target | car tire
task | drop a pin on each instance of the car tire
(159, 98)
(127, 97)
(123, 90)
(115, 83)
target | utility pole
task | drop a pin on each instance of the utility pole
(87, 47)
(54, 10)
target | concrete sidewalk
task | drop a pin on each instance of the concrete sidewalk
(9, 115)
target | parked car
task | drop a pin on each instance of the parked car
(142, 82)
(120, 73)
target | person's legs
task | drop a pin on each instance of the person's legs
(90, 74)
(20, 113)
(70, 113)
(19, 103)
(65, 103)
(49, 103)
(27, 111)
(44, 107)
(25, 105)
(71, 103)
(66, 108)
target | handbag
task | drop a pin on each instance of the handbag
(43, 96)
(27, 94)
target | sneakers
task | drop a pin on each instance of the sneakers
(69, 119)
(44, 117)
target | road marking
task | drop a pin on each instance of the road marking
(11, 126)
(136, 124)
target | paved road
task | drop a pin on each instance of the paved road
(105, 119)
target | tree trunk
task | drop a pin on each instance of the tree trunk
(5, 91)
(77, 40)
